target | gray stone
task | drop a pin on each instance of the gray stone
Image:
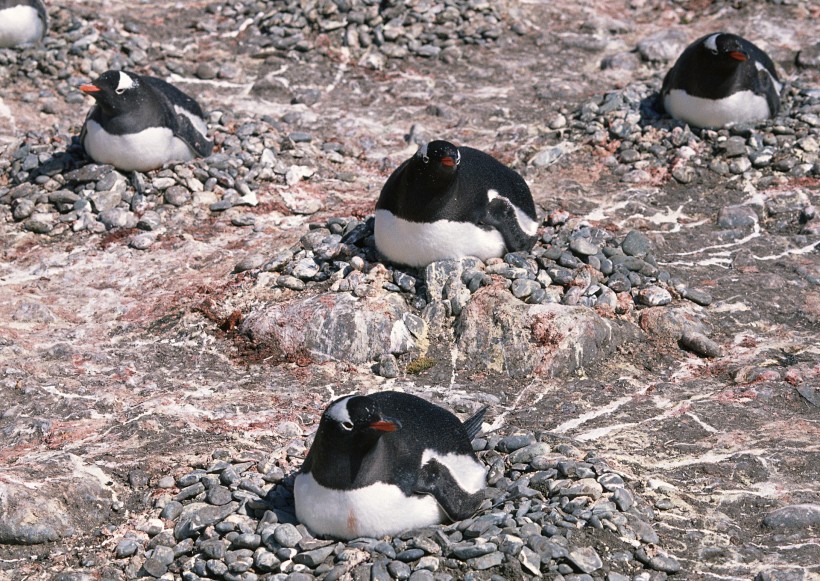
(388, 366)
(163, 554)
(663, 46)
(794, 516)
(154, 567)
(287, 535)
(291, 282)
(177, 196)
(171, 510)
(655, 558)
(736, 217)
(485, 561)
(583, 487)
(399, 570)
(117, 218)
(583, 247)
(126, 548)
(333, 326)
(547, 156)
(61, 506)
(585, 559)
(265, 561)
(248, 541)
(250, 262)
(306, 269)
(522, 288)
(141, 241)
(315, 557)
(636, 244)
(469, 549)
(410, 555)
(527, 453)
(700, 344)
(654, 296)
(499, 333)
(105, 200)
(530, 561)
(698, 296)
(623, 498)
(514, 442)
(202, 515)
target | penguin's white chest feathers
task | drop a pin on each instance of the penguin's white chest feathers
(420, 243)
(143, 151)
(19, 25)
(374, 511)
(740, 107)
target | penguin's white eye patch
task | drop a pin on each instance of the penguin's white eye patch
(347, 425)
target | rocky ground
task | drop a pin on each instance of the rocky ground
(168, 340)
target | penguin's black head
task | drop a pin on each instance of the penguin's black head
(357, 417)
(114, 91)
(726, 49)
(439, 156)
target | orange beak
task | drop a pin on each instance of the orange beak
(738, 56)
(384, 426)
(448, 162)
(89, 88)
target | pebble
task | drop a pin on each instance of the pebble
(736, 217)
(585, 559)
(802, 516)
(654, 296)
(700, 344)
(656, 559)
(126, 548)
(388, 366)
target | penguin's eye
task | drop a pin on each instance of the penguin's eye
(119, 91)
(425, 159)
(347, 425)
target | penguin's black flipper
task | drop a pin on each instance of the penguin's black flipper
(501, 216)
(186, 131)
(435, 479)
(769, 89)
(473, 423)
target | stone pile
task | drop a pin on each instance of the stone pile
(550, 509)
(651, 146)
(53, 188)
(573, 263)
(390, 29)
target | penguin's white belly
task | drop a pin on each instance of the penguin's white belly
(420, 243)
(740, 107)
(373, 511)
(19, 25)
(149, 149)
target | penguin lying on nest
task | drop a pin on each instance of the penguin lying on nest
(385, 463)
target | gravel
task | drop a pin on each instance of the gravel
(649, 146)
(549, 509)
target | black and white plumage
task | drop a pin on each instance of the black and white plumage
(140, 123)
(22, 22)
(385, 463)
(450, 202)
(721, 79)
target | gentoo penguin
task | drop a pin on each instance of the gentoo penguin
(141, 123)
(721, 79)
(385, 463)
(21, 22)
(451, 202)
